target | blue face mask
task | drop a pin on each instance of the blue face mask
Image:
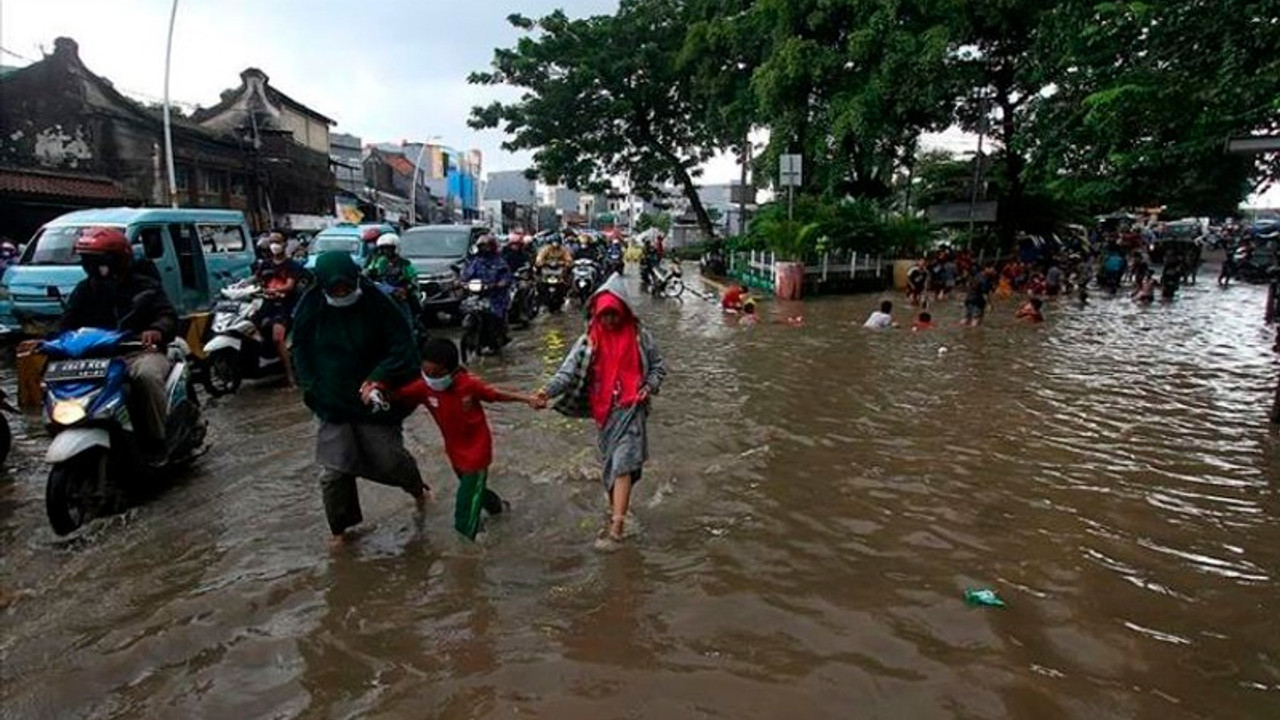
(438, 384)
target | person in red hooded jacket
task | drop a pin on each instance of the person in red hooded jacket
(609, 376)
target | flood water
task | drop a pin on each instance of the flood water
(819, 499)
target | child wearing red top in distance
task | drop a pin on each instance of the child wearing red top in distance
(454, 398)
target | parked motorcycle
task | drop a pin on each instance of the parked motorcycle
(237, 349)
(552, 287)
(524, 297)
(668, 283)
(96, 466)
(586, 278)
(481, 329)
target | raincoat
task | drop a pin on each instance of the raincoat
(623, 437)
(493, 270)
(335, 350)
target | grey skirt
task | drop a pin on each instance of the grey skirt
(624, 444)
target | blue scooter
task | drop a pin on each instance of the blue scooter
(97, 468)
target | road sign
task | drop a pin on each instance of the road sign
(790, 173)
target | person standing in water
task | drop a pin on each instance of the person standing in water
(348, 339)
(610, 375)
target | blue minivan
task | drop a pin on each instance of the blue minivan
(196, 253)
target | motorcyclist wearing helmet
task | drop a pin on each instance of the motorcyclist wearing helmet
(278, 277)
(115, 297)
(369, 239)
(514, 253)
(388, 267)
(488, 265)
(554, 252)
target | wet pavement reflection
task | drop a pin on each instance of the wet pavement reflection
(820, 497)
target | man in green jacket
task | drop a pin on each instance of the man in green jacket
(347, 337)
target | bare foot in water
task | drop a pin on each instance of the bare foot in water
(338, 543)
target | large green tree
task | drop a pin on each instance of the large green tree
(606, 97)
(1147, 95)
(851, 85)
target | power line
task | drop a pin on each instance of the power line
(7, 51)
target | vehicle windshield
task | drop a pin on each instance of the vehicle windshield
(54, 246)
(344, 244)
(435, 243)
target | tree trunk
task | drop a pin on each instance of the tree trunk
(1014, 164)
(695, 202)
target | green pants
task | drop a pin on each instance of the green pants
(473, 497)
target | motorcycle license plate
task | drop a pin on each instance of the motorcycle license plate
(64, 370)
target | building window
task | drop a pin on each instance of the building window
(182, 177)
(213, 182)
(237, 185)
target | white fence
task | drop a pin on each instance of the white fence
(837, 265)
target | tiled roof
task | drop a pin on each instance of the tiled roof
(28, 182)
(400, 164)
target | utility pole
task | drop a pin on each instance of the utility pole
(168, 131)
(742, 189)
(977, 167)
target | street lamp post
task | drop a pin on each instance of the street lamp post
(413, 185)
(168, 130)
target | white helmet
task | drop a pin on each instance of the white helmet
(388, 240)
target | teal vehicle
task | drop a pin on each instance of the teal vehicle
(194, 252)
(345, 236)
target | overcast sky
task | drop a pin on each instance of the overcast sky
(386, 70)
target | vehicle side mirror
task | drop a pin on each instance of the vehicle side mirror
(153, 246)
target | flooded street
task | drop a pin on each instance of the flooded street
(819, 499)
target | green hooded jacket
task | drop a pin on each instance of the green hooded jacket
(335, 350)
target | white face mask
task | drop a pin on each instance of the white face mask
(277, 249)
(343, 302)
(438, 384)
(103, 270)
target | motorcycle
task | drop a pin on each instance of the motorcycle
(667, 284)
(615, 261)
(551, 287)
(6, 432)
(524, 298)
(409, 305)
(237, 349)
(586, 278)
(97, 467)
(480, 327)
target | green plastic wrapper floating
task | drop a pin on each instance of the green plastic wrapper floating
(987, 598)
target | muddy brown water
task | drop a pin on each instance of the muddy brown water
(819, 499)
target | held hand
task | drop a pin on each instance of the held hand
(366, 392)
(643, 394)
(541, 400)
(151, 339)
(28, 347)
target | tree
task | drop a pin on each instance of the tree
(851, 85)
(1147, 96)
(606, 96)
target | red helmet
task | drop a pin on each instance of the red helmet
(371, 234)
(104, 241)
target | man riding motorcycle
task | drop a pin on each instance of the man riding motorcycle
(116, 297)
(514, 253)
(554, 252)
(487, 265)
(369, 238)
(278, 277)
(388, 267)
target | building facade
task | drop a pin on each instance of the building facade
(70, 140)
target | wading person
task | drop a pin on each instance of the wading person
(609, 376)
(455, 398)
(349, 339)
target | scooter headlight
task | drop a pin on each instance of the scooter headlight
(68, 412)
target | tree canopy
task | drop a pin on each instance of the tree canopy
(1088, 105)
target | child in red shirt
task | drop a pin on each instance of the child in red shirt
(453, 396)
